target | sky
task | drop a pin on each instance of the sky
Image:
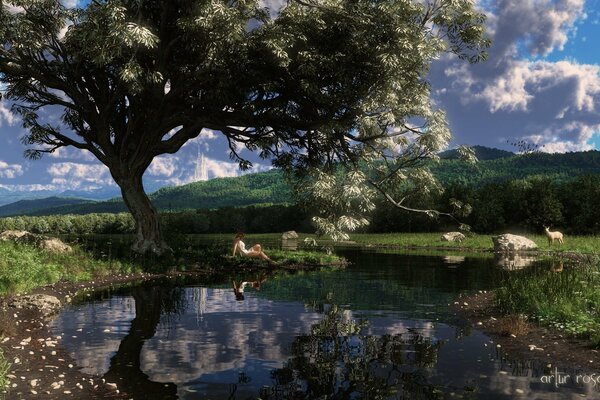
(541, 83)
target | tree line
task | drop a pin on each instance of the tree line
(513, 205)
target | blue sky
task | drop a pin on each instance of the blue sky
(541, 83)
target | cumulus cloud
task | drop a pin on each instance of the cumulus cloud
(72, 153)
(10, 171)
(517, 93)
(6, 115)
(69, 175)
(163, 166)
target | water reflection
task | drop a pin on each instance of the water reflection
(379, 329)
(238, 288)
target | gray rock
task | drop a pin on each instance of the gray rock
(289, 235)
(47, 305)
(508, 243)
(40, 241)
(453, 237)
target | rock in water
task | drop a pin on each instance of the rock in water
(508, 243)
(453, 237)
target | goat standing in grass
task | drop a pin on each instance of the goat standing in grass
(552, 236)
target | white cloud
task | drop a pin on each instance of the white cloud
(6, 115)
(69, 175)
(72, 153)
(10, 171)
(164, 166)
(516, 94)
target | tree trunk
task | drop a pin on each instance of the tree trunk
(148, 233)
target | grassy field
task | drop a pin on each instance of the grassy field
(475, 242)
(568, 300)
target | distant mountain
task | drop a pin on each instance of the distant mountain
(25, 207)
(104, 193)
(270, 187)
(259, 188)
(483, 153)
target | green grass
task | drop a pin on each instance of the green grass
(581, 244)
(475, 242)
(22, 267)
(4, 367)
(568, 300)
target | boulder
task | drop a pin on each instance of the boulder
(54, 245)
(42, 242)
(12, 235)
(508, 243)
(289, 235)
(453, 237)
(47, 304)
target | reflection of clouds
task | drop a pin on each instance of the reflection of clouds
(93, 348)
(228, 335)
(216, 337)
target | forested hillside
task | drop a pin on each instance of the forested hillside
(270, 188)
(23, 207)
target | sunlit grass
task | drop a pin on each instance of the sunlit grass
(582, 244)
(568, 300)
(23, 267)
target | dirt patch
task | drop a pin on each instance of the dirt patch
(526, 340)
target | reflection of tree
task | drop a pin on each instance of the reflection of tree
(125, 367)
(337, 361)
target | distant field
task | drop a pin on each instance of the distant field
(583, 244)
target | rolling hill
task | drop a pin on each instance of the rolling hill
(270, 187)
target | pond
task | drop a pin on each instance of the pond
(379, 329)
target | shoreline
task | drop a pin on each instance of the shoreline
(549, 346)
(42, 361)
(40, 366)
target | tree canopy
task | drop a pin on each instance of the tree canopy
(311, 86)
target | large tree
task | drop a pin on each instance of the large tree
(313, 86)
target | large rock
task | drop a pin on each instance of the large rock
(12, 235)
(42, 242)
(508, 243)
(453, 237)
(289, 235)
(47, 304)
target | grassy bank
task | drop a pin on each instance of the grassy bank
(476, 242)
(567, 300)
(23, 267)
(582, 244)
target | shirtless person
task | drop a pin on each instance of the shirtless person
(254, 251)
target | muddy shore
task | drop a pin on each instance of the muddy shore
(534, 342)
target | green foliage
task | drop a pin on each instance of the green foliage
(568, 300)
(23, 268)
(315, 86)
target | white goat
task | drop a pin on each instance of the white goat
(552, 236)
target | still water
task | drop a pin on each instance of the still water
(380, 329)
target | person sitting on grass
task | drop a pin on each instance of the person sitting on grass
(254, 251)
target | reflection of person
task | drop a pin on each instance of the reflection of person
(238, 290)
(254, 251)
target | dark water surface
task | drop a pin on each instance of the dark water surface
(379, 329)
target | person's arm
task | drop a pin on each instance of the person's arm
(235, 246)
